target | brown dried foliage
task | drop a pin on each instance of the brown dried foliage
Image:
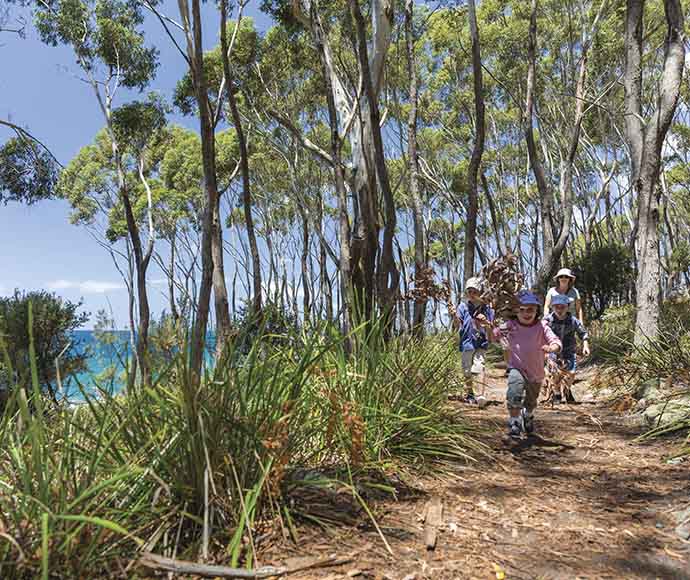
(501, 281)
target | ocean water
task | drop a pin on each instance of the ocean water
(108, 354)
(106, 351)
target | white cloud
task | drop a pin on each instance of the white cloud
(85, 287)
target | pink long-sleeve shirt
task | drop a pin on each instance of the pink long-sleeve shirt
(525, 344)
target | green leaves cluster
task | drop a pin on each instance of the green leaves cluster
(103, 33)
(28, 173)
(54, 321)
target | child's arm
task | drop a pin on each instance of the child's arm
(553, 343)
(465, 321)
(581, 331)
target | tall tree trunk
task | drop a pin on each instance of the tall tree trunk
(195, 55)
(494, 215)
(171, 276)
(645, 142)
(131, 306)
(420, 262)
(388, 277)
(346, 293)
(220, 290)
(304, 264)
(477, 149)
(545, 196)
(554, 240)
(325, 282)
(364, 244)
(244, 161)
(141, 262)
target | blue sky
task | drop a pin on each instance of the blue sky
(40, 90)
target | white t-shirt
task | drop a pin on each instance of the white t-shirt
(573, 294)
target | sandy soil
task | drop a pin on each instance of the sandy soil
(580, 500)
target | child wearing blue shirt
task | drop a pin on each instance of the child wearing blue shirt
(474, 317)
(566, 327)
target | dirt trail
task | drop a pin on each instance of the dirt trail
(579, 501)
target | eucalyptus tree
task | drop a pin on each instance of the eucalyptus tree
(287, 105)
(192, 28)
(420, 257)
(180, 207)
(474, 165)
(28, 172)
(645, 140)
(353, 87)
(118, 187)
(219, 107)
(231, 89)
(109, 49)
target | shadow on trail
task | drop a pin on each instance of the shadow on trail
(638, 560)
(519, 446)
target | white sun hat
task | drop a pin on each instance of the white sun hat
(475, 283)
(564, 272)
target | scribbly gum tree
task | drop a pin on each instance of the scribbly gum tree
(645, 132)
(111, 55)
(224, 70)
(352, 40)
(121, 190)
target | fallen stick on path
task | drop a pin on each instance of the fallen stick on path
(156, 562)
(432, 521)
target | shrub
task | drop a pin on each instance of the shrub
(604, 276)
(54, 321)
(612, 334)
(175, 468)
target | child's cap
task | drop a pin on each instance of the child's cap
(561, 299)
(474, 283)
(526, 298)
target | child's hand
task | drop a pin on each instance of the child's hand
(551, 348)
(482, 320)
(585, 350)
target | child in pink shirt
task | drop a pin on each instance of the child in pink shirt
(527, 338)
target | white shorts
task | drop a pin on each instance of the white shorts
(473, 361)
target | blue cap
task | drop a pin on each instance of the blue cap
(526, 298)
(561, 299)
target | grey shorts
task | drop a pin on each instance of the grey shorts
(521, 393)
(473, 362)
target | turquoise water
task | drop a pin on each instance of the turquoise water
(106, 362)
(111, 353)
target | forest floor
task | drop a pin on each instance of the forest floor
(580, 500)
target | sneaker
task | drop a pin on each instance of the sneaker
(528, 422)
(515, 427)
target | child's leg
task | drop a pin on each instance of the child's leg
(569, 378)
(514, 398)
(516, 392)
(467, 360)
(479, 370)
(531, 397)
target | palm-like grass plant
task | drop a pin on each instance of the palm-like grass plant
(189, 471)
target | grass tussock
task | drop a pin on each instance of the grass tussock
(658, 370)
(198, 472)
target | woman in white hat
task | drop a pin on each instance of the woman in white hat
(565, 285)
